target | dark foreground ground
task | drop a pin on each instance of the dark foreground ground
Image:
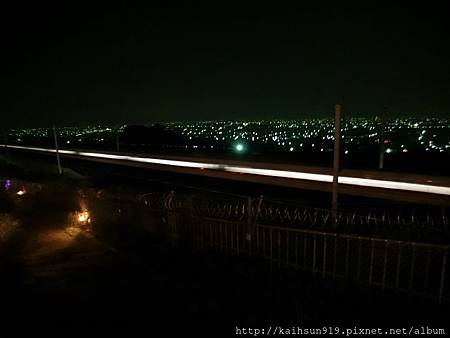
(55, 277)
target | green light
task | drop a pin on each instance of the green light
(239, 147)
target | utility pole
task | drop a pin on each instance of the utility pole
(57, 150)
(5, 136)
(336, 160)
(381, 138)
(117, 139)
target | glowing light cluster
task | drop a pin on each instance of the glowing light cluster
(280, 135)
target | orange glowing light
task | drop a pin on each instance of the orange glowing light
(83, 217)
(21, 192)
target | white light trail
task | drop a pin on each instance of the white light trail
(280, 173)
(175, 163)
(384, 184)
(363, 182)
(125, 158)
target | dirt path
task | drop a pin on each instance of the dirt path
(60, 276)
(54, 253)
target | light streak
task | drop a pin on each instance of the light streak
(357, 181)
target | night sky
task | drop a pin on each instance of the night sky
(124, 64)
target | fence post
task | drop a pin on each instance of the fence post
(248, 232)
(252, 218)
(171, 216)
(442, 282)
(444, 218)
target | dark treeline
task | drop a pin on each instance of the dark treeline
(156, 136)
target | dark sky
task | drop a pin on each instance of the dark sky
(80, 64)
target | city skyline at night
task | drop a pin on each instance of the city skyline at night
(313, 134)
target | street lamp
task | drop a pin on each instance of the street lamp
(239, 147)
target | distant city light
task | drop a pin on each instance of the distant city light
(388, 150)
(239, 147)
(280, 135)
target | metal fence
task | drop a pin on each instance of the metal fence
(416, 268)
(299, 237)
(423, 223)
